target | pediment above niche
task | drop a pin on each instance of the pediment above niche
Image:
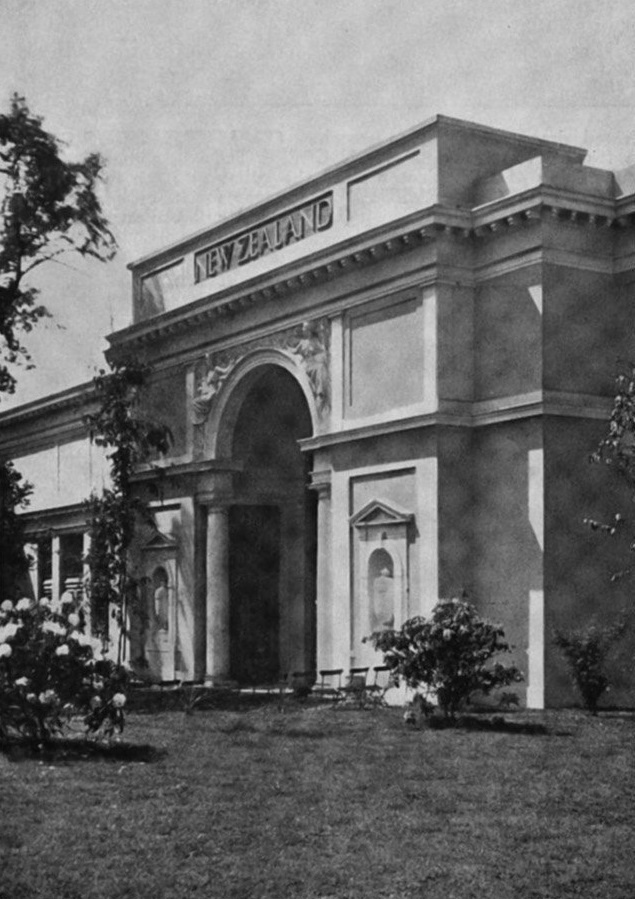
(160, 541)
(378, 512)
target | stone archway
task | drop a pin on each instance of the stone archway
(271, 525)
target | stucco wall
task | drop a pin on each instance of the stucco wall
(579, 562)
(507, 335)
(588, 326)
(64, 474)
(507, 532)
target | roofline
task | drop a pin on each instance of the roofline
(80, 393)
(349, 162)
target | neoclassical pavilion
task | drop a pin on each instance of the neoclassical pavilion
(383, 384)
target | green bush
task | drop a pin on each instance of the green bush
(51, 671)
(586, 651)
(449, 654)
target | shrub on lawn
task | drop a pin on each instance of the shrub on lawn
(586, 651)
(449, 654)
(50, 671)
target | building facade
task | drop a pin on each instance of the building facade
(383, 385)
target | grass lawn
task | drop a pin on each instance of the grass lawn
(319, 802)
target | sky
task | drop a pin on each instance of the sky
(203, 107)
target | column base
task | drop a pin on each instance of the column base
(220, 680)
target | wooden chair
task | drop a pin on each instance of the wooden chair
(381, 683)
(330, 685)
(356, 685)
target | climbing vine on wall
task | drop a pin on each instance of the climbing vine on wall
(130, 439)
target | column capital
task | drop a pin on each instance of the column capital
(321, 483)
(214, 501)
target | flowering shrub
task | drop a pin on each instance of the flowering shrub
(586, 653)
(51, 670)
(449, 654)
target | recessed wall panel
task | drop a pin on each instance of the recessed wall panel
(385, 358)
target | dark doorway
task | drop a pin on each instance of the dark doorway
(272, 532)
(254, 572)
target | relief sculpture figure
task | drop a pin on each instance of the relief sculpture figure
(206, 391)
(313, 356)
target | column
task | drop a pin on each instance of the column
(86, 581)
(321, 482)
(217, 595)
(32, 551)
(55, 569)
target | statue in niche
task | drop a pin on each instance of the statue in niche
(161, 598)
(312, 351)
(382, 605)
(207, 390)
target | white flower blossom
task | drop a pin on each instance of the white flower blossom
(73, 619)
(5, 650)
(52, 627)
(95, 702)
(62, 650)
(82, 639)
(31, 697)
(7, 631)
(24, 604)
(44, 601)
(48, 697)
(66, 597)
(119, 700)
(22, 682)
(6, 605)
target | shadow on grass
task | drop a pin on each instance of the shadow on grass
(67, 751)
(497, 724)
(272, 729)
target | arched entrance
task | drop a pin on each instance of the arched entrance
(272, 530)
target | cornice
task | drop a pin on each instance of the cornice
(55, 419)
(483, 413)
(347, 168)
(358, 252)
(72, 399)
(525, 209)
(182, 469)
(62, 519)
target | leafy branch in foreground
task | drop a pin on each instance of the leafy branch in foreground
(617, 450)
(48, 207)
(129, 439)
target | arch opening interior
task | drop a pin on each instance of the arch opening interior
(271, 534)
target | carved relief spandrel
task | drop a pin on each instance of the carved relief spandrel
(306, 343)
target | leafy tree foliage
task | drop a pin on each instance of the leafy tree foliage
(14, 495)
(48, 207)
(586, 652)
(450, 654)
(130, 439)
